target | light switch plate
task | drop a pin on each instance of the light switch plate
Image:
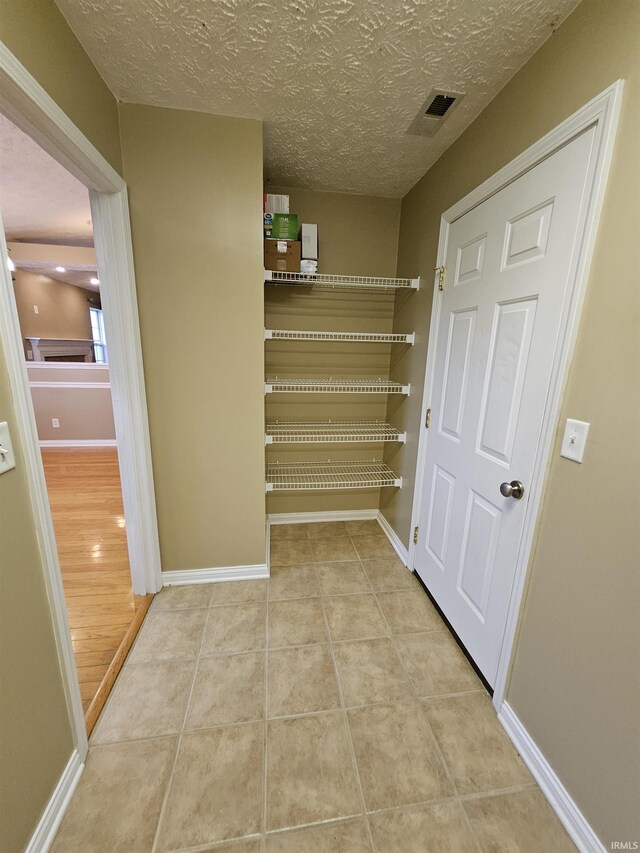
(7, 460)
(574, 440)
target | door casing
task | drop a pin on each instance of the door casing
(29, 107)
(602, 113)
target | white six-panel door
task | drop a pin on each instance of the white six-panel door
(508, 264)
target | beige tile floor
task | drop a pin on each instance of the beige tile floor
(327, 710)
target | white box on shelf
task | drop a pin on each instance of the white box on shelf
(309, 238)
(276, 203)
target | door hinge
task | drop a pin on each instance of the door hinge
(415, 535)
(427, 420)
(442, 273)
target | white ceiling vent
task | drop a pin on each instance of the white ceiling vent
(431, 115)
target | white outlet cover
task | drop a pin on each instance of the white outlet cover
(55, 423)
(7, 460)
(574, 440)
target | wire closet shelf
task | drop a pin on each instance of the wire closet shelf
(351, 337)
(331, 432)
(307, 476)
(304, 385)
(324, 281)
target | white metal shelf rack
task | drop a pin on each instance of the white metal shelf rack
(323, 281)
(304, 385)
(302, 476)
(350, 337)
(331, 432)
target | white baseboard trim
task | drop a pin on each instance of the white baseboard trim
(335, 515)
(78, 442)
(392, 536)
(559, 798)
(45, 831)
(217, 575)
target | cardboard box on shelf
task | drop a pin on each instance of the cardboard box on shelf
(285, 226)
(282, 255)
(309, 240)
(276, 203)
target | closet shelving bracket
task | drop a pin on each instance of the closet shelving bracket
(312, 476)
(331, 432)
(325, 281)
(308, 385)
(349, 337)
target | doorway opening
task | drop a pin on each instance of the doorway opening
(48, 227)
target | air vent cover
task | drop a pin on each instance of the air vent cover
(438, 106)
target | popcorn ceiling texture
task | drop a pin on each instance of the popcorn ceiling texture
(337, 82)
(40, 200)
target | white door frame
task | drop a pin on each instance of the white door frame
(26, 103)
(601, 113)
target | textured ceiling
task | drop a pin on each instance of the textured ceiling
(78, 276)
(39, 200)
(337, 82)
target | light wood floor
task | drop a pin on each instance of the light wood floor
(88, 517)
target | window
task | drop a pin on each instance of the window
(97, 333)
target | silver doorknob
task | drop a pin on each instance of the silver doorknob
(514, 489)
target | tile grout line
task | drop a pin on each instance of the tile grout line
(345, 720)
(165, 799)
(425, 717)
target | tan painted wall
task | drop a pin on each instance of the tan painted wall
(63, 309)
(358, 235)
(83, 413)
(574, 681)
(36, 740)
(36, 737)
(37, 33)
(195, 190)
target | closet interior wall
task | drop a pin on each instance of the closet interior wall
(358, 235)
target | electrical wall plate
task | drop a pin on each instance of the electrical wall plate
(7, 459)
(574, 440)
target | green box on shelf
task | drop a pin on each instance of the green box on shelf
(285, 226)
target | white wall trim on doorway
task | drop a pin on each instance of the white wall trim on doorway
(45, 831)
(559, 798)
(27, 104)
(601, 113)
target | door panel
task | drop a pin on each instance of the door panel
(500, 320)
(440, 514)
(480, 540)
(511, 338)
(456, 372)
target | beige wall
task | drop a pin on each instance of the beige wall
(84, 414)
(195, 190)
(35, 741)
(574, 682)
(63, 309)
(358, 235)
(37, 33)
